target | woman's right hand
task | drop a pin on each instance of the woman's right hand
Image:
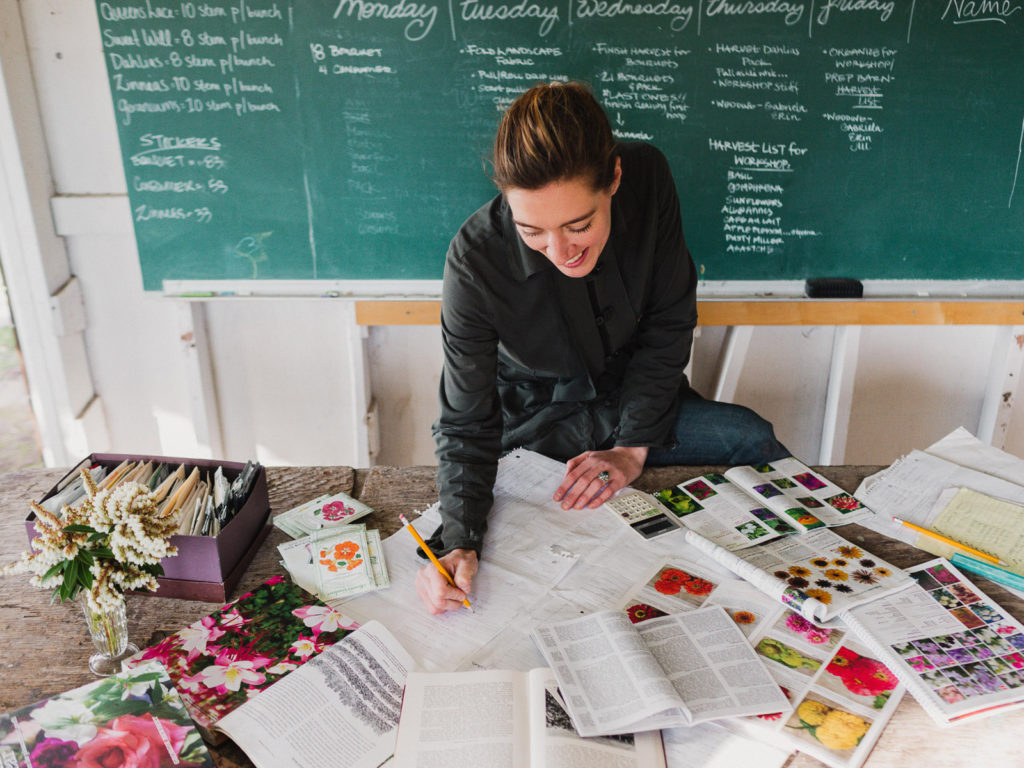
(435, 591)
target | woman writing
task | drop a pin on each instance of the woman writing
(568, 310)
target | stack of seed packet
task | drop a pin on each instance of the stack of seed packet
(322, 512)
(331, 557)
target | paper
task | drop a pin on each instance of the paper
(910, 488)
(990, 525)
(539, 562)
(322, 512)
(341, 708)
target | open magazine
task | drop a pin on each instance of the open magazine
(222, 660)
(745, 505)
(341, 708)
(960, 654)
(620, 677)
(841, 695)
(132, 718)
(819, 574)
(505, 719)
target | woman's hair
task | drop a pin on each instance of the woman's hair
(554, 132)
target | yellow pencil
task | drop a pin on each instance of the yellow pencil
(433, 559)
(946, 540)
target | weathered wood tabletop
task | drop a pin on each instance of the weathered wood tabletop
(46, 647)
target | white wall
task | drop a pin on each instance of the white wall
(285, 375)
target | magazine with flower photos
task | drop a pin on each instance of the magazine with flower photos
(221, 661)
(132, 718)
(841, 695)
(819, 574)
(959, 652)
(744, 506)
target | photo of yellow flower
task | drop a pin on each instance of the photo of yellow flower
(821, 721)
(836, 575)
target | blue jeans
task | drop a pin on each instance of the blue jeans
(709, 432)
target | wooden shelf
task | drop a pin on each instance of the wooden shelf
(769, 312)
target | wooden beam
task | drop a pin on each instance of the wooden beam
(769, 312)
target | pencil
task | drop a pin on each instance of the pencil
(946, 540)
(433, 558)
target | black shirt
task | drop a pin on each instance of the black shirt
(555, 364)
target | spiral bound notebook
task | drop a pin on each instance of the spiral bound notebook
(960, 654)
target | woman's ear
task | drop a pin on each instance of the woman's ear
(618, 176)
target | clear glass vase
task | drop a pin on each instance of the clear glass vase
(109, 631)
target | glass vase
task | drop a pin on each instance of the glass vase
(109, 631)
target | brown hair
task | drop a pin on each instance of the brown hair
(554, 132)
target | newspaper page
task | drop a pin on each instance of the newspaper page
(340, 708)
(671, 671)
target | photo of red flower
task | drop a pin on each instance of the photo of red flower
(638, 612)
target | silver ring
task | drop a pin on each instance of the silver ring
(604, 477)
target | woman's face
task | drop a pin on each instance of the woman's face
(568, 221)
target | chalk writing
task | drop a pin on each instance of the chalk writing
(421, 15)
(969, 11)
(679, 13)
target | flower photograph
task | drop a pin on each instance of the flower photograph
(132, 719)
(788, 655)
(844, 502)
(767, 490)
(810, 481)
(700, 490)
(821, 721)
(678, 502)
(866, 678)
(772, 520)
(679, 585)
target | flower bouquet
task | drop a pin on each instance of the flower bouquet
(112, 542)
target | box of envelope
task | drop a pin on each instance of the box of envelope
(224, 519)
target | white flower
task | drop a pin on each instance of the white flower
(66, 719)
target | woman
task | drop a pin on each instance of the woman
(568, 310)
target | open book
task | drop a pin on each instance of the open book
(341, 708)
(960, 654)
(619, 677)
(820, 574)
(745, 505)
(505, 719)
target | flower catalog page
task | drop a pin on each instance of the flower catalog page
(840, 694)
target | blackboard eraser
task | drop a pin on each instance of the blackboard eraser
(833, 288)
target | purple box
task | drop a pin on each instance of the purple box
(206, 568)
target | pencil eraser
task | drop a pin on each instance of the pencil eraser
(833, 288)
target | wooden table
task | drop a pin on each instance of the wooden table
(46, 646)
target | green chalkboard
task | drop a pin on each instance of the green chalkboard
(345, 139)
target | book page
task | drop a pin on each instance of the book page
(961, 653)
(819, 574)
(708, 745)
(610, 681)
(341, 707)
(710, 663)
(554, 742)
(464, 718)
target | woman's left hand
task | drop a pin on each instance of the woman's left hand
(593, 477)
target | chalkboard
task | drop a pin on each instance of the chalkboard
(345, 139)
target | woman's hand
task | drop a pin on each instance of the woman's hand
(435, 591)
(584, 484)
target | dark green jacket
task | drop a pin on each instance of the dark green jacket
(560, 365)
